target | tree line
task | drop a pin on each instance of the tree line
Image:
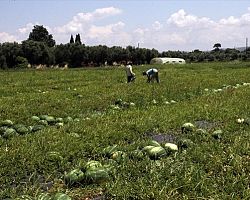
(40, 49)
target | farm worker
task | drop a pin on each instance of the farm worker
(130, 73)
(151, 74)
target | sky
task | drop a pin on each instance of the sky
(164, 25)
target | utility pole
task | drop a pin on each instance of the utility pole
(138, 45)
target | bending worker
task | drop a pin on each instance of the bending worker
(152, 75)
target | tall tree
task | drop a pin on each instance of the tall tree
(40, 34)
(78, 39)
(217, 46)
(71, 39)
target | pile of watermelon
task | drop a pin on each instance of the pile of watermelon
(93, 172)
(9, 129)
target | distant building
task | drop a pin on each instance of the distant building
(167, 61)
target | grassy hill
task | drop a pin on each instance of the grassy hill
(211, 96)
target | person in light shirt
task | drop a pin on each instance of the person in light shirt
(130, 73)
(152, 75)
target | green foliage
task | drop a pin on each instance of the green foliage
(71, 39)
(40, 34)
(78, 39)
(21, 62)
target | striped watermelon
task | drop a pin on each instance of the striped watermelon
(60, 196)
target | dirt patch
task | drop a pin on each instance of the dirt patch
(205, 124)
(162, 137)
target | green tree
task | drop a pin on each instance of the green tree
(217, 46)
(40, 34)
(38, 52)
(21, 62)
(11, 51)
(3, 63)
(71, 39)
(78, 39)
(62, 54)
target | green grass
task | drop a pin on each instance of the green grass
(210, 169)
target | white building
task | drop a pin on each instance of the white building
(167, 61)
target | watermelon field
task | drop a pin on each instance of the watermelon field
(85, 134)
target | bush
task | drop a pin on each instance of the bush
(21, 62)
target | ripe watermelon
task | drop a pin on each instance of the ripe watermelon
(154, 143)
(74, 176)
(68, 119)
(217, 134)
(3, 129)
(60, 196)
(59, 119)
(43, 122)
(35, 118)
(118, 156)
(9, 132)
(157, 152)
(59, 124)
(98, 175)
(185, 143)
(170, 147)
(147, 148)
(108, 151)
(187, 127)
(54, 156)
(50, 119)
(43, 196)
(91, 165)
(21, 129)
(6, 122)
(37, 128)
(43, 117)
(136, 154)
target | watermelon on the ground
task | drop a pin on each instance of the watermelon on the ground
(93, 164)
(6, 122)
(37, 127)
(98, 175)
(136, 154)
(118, 156)
(68, 119)
(21, 129)
(147, 148)
(157, 152)
(171, 147)
(43, 196)
(185, 143)
(3, 129)
(154, 143)
(43, 117)
(60, 196)
(54, 156)
(50, 120)
(74, 176)
(59, 119)
(217, 134)
(59, 124)
(108, 151)
(187, 127)
(9, 132)
(43, 122)
(35, 118)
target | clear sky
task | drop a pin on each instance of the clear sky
(161, 24)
